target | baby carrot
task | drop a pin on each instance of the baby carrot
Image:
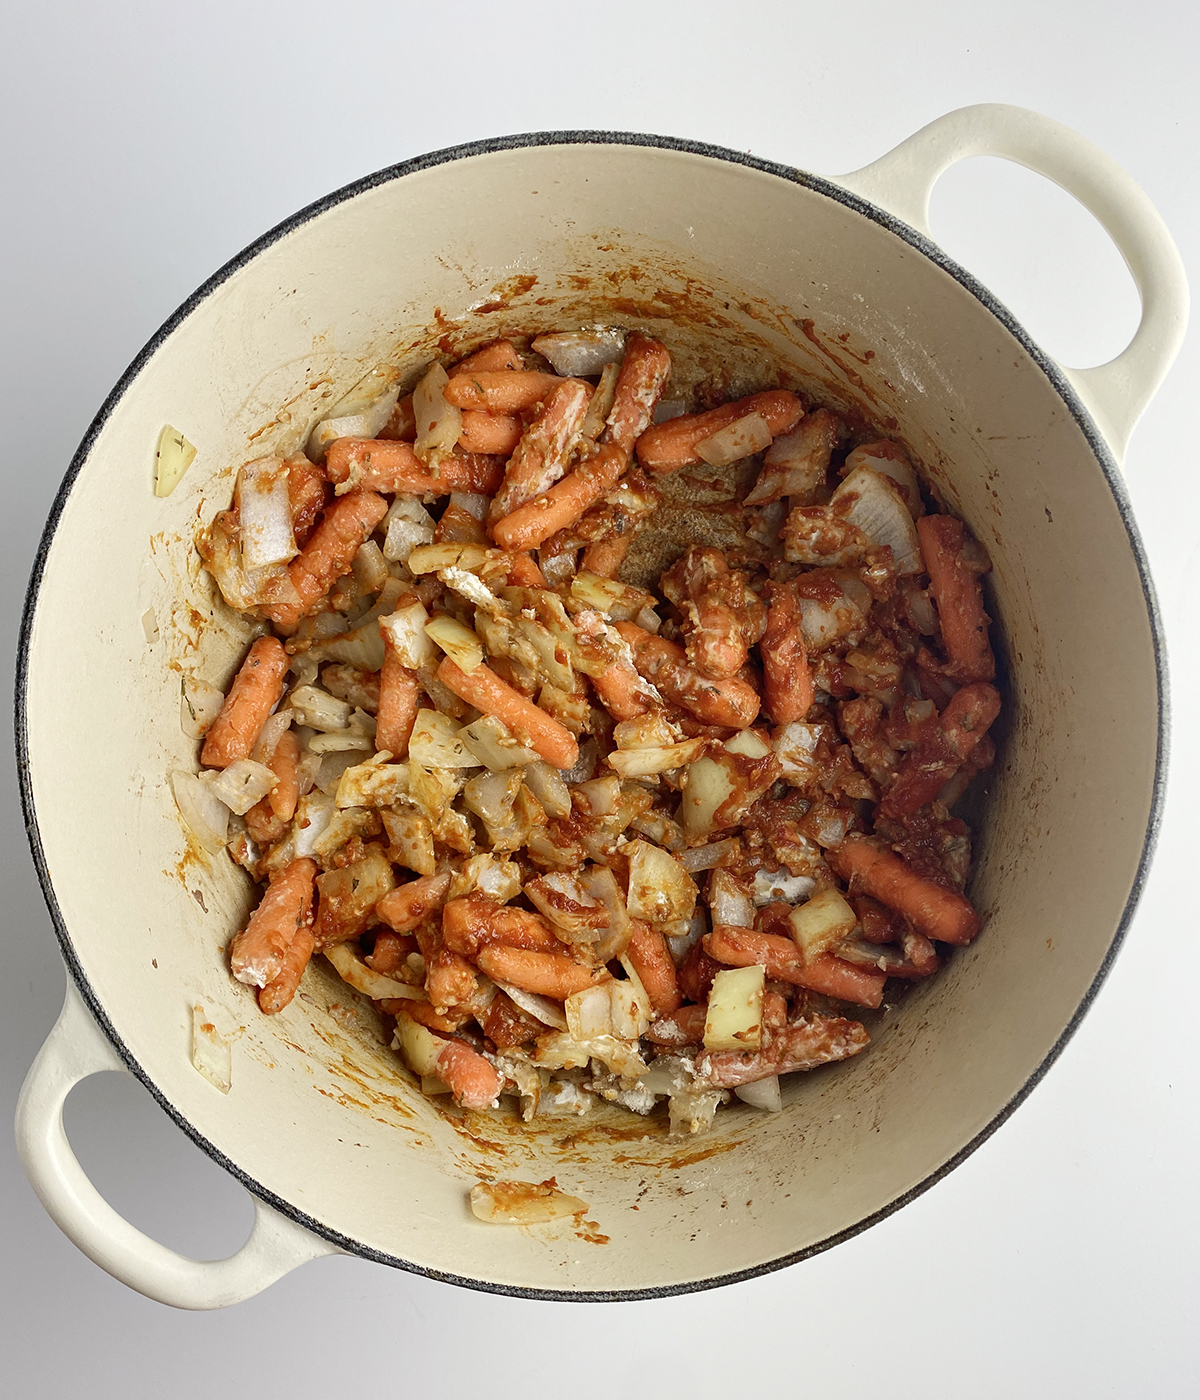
(474, 921)
(958, 593)
(534, 522)
(496, 433)
(730, 701)
(644, 372)
(787, 680)
(399, 701)
(306, 497)
(487, 692)
(474, 1082)
(499, 391)
(500, 354)
(523, 572)
(684, 1026)
(255, 690)
(666, 447)
(256, 955)
(653, 963)
(326, 557)
(279, 992)
(449, 979)
(410, 904)
(743, 947)
(377, 464)
(605, 557)
(622, 691)
(542, 455)
(284, 763)
(932, 909)
(548, 974)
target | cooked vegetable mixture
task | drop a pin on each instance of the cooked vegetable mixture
(576, 838)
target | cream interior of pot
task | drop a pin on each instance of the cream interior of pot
(727, 263)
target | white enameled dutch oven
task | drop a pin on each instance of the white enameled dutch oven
(733, 259)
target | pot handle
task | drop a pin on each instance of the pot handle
(75, 1049)
(1116, 393)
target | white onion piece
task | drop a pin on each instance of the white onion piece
(920, 609)
(680, 947)
(825, 623)
(242, 784)
(212, 1053)
(314, 812)
(200, 704)
(763, 1093)
(265, 513)
(741, 438)
(406, 525)
(581, 353)
(522, 1203)
(273, 730)
(472, 504)
(542, 1009)
(729, 902)
(350, 968)
(439, 424)
(707, 857)
(206, 815)
(368, 422)
(771, 885)
(889, 460)
(172, 458)
(406, 632)
(879, 511)
(547, 786)
(589, 758)
(317, 709)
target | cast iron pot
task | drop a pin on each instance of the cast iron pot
(737, 260)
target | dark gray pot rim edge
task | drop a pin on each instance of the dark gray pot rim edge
(818, 185)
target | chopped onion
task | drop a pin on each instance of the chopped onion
(173, 456)
(541, 1008)
(431, 558)
(372, 785)
(919, 607)
(825, 623)
(314, 812)
(589, 758)
(707, 786)
(547, 786)
(472, 504)
(318, 709)
(200, 704)
(473, 589)
(889, 460)
(879, 511)
(439, 424)
(741, 438)
(351, 968)
(588, 1013)
(617, 601)
(600, 404)
(749, 743)
(729, 902)
(582, 353)
(406, 632)
(708, 857)
(771, 885)
(558, 568)
(522, 1203)
(406, 525)
(273, 730)
(212, 1053)
(681, 946)
(366, 422)
(206, 815)
(490, 875)
(265, 513)
(436, 742)
(660, 889)
(370, 567)
(490, 743)
(419, 1046)
(762, 1093)
(641, 763)
(242, 784)
(456, 639)
(734, 1020)
(795, 746)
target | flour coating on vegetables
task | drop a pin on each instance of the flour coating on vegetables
(581, 840)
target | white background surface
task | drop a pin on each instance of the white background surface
(145, 144)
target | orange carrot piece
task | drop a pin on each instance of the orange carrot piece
(399, 701)
(279, 992)
(645, 369)
(285, 764)
(449, 979)
(532, 523)
(255, 690)
(474, 921)
(326, 557)
(944, 749)
(256, 954)
(492, 433)
(264, 826)
(730, 701)
(499, 391)
(544, 452)
(605, 557)
(377, 464)
(743, 947)
(622, 691)
(653, 963)
(474, 1081)
(306, 497)
(499, 354)
(788, 689)
(958, 592)
(932, 909)
(390, 952)
(666, 447)
(523, 572)
(487, 692)
(411, 904)
(548, 974)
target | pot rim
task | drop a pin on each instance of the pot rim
(819, 185)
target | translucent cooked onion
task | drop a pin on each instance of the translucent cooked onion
(708, 857)
(741, 438)
(542, 1009)
(242, 784)
(439, 424)
(265, 513)
(729, 902)
(366, 422)
(406, 632)
(206, 815)
(212, 1053)
(406, 525)
(879, 511)
(457, 640)
(581, 353)
(350, 968)
(269, 736)
(200, 704)
(762, 1093)
(522, 1202)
